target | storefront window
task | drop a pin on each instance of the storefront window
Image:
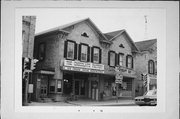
(84, 50)
(52, 86)
(70, 50)
(59, 86)
(96, 55)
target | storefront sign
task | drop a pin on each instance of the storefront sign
(82, 69)
(120, 81)
(119, 76)
(83, 65)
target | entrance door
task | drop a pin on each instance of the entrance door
(80, 87)
(43, 88)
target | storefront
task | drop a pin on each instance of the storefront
(152, 82)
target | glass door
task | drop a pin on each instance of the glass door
(43, 88)
(80, 87)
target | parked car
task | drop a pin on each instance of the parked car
(149, 98)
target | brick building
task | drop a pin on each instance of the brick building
(146, 63)
(28, 33)
(78, 60)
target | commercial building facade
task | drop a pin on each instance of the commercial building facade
(146, 64)
(77, 60)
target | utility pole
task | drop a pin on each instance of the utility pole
(145, 31)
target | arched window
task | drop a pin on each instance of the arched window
(151, 67)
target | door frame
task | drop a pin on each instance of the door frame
(85, 88)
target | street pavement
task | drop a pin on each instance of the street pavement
(87, 102)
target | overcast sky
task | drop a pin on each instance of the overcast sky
(107, 20)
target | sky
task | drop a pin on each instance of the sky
(107, 20)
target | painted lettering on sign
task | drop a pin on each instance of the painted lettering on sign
(83, 65)
(82, 69)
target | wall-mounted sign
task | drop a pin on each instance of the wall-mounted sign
(119, 76)
(82, 69)
(30, 88)
(87, 65)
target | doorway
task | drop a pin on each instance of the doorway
(44, 85)
(80, 87)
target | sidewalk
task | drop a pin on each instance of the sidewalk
(86, 102)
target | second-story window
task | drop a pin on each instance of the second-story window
(70, 50)
(121, 59)
(111, 58)
(41, 52)
(96, 55)
(151, 67)
(84, 52)
(129, 61)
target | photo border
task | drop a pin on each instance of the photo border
(160, 109)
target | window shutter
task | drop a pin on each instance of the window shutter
(92, 52)
(75, 51)
(109, 58)
(132, 63)
(79, 52)
(153, 68)
(118, 55)
(127, 61)
(100, 55)
(116, 59)
(88, 54)
(149, 66)
(65, 49)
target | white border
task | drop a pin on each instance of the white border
(164, 86)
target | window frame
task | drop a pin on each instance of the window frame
(60, 86)
(92, 54)
(127, 61)
(119, 61)
(109, 58)
(151, 70)
(66, 50)
(70, 58)
(43, 52)
(80, 52)
(54, 84)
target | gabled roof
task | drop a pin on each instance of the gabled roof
(61, 28)
(145, 45)
(112, 35)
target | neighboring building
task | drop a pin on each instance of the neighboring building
(28, 32)
(78, 60)
(146, 63)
